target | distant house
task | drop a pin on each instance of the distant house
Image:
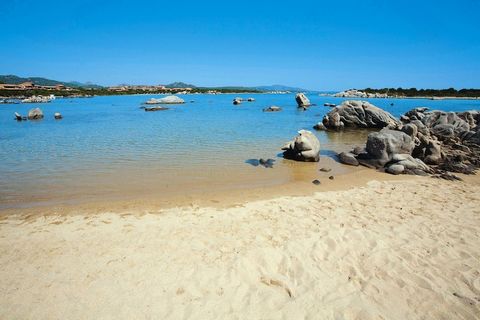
(7, 86)
(137, 88)
(29, 85)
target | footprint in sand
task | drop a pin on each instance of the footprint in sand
(272, 282)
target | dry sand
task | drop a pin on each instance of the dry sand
(389, 250)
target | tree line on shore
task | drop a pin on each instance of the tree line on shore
(414, 92)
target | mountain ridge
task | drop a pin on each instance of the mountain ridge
(13, 79)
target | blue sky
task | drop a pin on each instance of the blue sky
(325, 45)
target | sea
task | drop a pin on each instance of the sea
(108, 148)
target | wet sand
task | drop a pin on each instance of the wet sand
(230, 189)
(403, 249)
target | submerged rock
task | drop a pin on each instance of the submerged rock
(272, 109)
(305, 147)
(268, 163)
(158, 108)
(359, 114)
(302, 100)
(35, 114)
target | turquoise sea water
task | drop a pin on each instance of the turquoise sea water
(108, 146)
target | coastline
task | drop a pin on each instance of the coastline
(386, 249)
(298, 185)
(404, 97)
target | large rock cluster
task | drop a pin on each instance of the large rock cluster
(425, 142)
(448, 140)
(358, 114)
(304, 147)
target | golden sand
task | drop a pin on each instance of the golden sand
(405, 249)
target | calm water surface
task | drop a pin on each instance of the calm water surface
(109, 147)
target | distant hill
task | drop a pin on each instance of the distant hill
(180, 85)
(279, 87)
(74, 84)
(275, 87)
(45, 82)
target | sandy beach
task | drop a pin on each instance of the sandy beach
(405, 249)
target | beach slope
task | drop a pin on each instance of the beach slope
(388, 250)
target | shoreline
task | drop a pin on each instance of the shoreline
(387, 250)
(240, 194)
(289, 182)
(357, 177)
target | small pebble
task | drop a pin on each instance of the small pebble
(331, 177)
(325, 170)
(316, 182)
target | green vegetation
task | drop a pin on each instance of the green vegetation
(414, 92)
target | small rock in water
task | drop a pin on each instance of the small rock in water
(302, 100)
(316, 182)
(250, 99)
(237, 101)
(35, 114)
(348, 158)
(18, 117)
(325, 169)
(57, 116)
(320, 127)
(358, 150)
(148, 109)
(272, 109)
(331, 177)
(266, 163)
(305, 147)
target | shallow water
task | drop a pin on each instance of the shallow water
(107, 147)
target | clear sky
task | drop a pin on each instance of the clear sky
(325, 45)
